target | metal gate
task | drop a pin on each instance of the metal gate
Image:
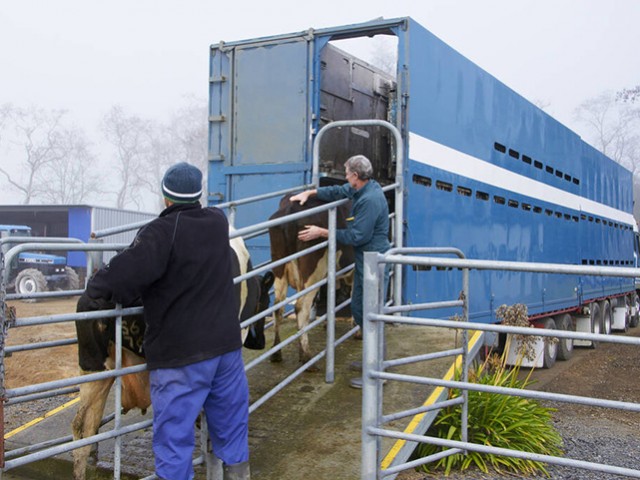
(54, 447)
(377, 315)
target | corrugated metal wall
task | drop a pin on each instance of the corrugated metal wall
(110, 217)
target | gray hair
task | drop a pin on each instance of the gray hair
(361, 165)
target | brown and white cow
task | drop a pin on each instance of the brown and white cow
(304, 271)
(96, 353)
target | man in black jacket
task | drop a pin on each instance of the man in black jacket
(180, 266)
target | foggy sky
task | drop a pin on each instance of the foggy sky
(85, 55)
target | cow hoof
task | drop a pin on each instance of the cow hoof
(276, 357)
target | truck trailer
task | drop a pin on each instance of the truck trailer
(485, 170)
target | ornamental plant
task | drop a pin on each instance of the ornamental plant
(496, 420)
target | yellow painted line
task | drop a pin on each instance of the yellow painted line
(430, 401)
(35, 421)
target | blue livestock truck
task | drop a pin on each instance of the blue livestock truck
(485, 170)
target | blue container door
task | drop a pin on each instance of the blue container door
(259, 126)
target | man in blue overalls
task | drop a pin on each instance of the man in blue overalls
(180, 265)
(367, 226)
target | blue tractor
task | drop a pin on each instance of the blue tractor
(36, 272)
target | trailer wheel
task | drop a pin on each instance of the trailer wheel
(550, 344)
(565, 345)
(73, 280)
(635, 302)
(605, 307)
(596, 322)
(30, 281)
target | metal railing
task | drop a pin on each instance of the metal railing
(22, 456)
(374, 374)
(54, 447)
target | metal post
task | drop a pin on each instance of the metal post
(3, 336)
(465, 351)
(381, 353)
(118, 397)
(232, 215)
(95, 259)
(331, 297)
(398, 239)
(370, 358)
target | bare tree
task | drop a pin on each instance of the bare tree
(5, 110)
(613, 127)
(188, 126)
(630, 95)
(34, 135)
(130, 137)
(72, 178)
(182, 139)
(613, 121)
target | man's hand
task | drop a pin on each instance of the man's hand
(311, 232)
(302, 197)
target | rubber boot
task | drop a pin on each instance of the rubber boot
(237, 471)
(357, 366)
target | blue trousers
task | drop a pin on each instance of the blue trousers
(219, 386)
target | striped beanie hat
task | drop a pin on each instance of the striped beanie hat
(182, 183)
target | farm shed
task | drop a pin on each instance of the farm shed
(75, 221)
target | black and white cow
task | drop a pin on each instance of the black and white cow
(96, 353)
(304, 271)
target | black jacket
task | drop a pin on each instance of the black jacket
(180, 266)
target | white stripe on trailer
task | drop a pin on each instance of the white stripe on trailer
(428, 152)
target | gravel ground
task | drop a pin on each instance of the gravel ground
(590, 434)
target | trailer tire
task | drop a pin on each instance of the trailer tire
(635, 302)
(596, 322)
(550, 344)
(565, 345)
(605, 307)
(73, 280)
(30, 280)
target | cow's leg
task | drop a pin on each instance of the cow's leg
(93, 397)
(303, 312)
(280, 293)
(312, 271)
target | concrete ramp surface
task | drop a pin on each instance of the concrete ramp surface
(310, 429)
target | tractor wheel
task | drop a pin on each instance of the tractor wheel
(30, 281)
(73, 280)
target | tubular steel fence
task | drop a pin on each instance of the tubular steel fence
(49, 448)
(376, 316)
